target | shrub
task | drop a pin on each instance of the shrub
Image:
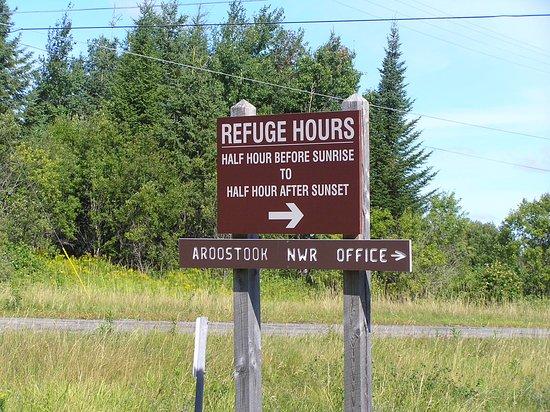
(497, 282)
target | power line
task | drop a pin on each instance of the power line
(86, 9)
(444, 119)
(439, 149)
(303, 22)
(487, 31)
(309, 92)
(447, 41)
(330, 97)
(475, 40)
(286, 22)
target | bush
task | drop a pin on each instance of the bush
(6, 267)
(497, 282)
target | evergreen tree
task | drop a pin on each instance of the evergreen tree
(399, 175)
(60, 86)
(264, 51)
(269, 52)
(15, 67)
(329, 71)
(166, 114)
(100, 67)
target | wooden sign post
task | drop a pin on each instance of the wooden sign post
(305, 173)
(246, 318)
(357, 291)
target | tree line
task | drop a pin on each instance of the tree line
(112, 154)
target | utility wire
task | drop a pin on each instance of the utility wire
(480, 126)
(86, 9)
(285, 22)
(304, 22)
(445, 40)
(487, 159)
(475, 40)
(334, 98)
(486, 31)
(309, 92)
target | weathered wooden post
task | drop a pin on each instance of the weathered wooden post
(357, 292)
(246, 315)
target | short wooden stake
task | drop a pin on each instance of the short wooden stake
(246, 317)
(357, 292)
(199, 360)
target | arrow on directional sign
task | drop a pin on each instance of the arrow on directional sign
(398, 255)
(294, 215)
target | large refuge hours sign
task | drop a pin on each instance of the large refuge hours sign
(291, 173)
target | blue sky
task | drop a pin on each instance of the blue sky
(469, 71)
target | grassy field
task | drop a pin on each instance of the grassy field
(97, 289)
(43, 300)
(121, 372)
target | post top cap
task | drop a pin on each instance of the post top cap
(355, 97)
(243, 104)
(355, 102)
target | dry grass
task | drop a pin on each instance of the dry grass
(126, 372)
(169, 303)
(103, 290)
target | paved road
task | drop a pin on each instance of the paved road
(126, 325)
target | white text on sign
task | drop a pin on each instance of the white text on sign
(311, 130)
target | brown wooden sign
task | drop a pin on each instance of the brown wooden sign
(382, 255)
(291, 173)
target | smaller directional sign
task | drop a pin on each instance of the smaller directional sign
(382, 255)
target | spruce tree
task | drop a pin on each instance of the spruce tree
(330, 71)
(60, 86)
(15, 67)
(100, 66)
(399, 174)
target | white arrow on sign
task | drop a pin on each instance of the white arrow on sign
(294, 215)
(398, 255)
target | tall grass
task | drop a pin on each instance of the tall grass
(136, 371)
(110, 291)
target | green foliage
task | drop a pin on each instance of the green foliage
(19, 267)
(117, 155)
(525, 239)
(3, 399)
(482, 242)
(454, 256)
(42, 205)
(439, 247)
(60, 82)
(399, 175)
(497, 282)
(6, 266)
(15, 67)
(99, 67)
(330, 71)
(273, 54)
